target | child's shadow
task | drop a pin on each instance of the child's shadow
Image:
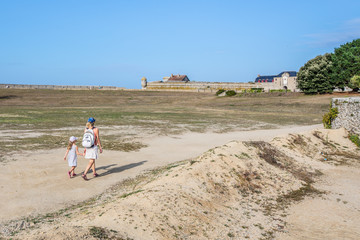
(119, 169)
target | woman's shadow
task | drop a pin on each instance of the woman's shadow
(118, 169)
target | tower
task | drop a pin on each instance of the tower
(143, 82)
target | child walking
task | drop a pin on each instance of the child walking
(71, 154)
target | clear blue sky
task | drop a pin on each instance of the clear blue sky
(117, 42)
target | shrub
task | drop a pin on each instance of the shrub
(256, 90)
(355, 139)
(220, 91)
(230, 93)
(355, 82)
(329, 117)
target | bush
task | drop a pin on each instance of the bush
(256, 90)
(355, 82)
(220, 91)
(315, 76)
(329, 117)
(230, 93)
(355, 139)
(277, 90)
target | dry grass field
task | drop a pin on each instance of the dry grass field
(291, 187)
(44, 119)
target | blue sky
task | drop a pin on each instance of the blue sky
(116, 43)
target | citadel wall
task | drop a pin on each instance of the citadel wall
(206, 86)
(59, 87)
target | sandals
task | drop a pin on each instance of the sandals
(69, 173)
(74, 174)
(84, 177)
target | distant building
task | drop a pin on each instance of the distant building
(284, 80)
(177, 78)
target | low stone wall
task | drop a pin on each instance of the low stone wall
(206, 86)
(349, 114)
(59, 87)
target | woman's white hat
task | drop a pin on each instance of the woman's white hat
(72, 139)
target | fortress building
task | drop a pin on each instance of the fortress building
(283, 81)
(177, 78)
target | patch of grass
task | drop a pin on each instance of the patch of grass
(355, 139)
(268, 153)
(283, 201)
(98, 232)
(298, 140)
(276, 158)
(317, 134)
(192, 162)
(243, 155)
(125, 195)
(231, 235)
(123, 146)
(298, 195)
(220, 91)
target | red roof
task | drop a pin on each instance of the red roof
(178, 78)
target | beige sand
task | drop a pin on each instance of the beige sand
(37, 182)
(228, 192)
(334, 216)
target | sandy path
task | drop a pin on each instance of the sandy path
(335, 215)
(37, 182)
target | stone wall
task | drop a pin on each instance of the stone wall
(59, 87)
(206, 86)
(349, 114)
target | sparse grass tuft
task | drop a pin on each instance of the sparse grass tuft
(355, 139)
(125, 195)
(98, 232)
(298, 195)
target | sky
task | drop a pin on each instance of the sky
(117, 42)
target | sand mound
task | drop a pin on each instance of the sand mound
(239, 190)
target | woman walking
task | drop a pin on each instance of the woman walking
(91, 153)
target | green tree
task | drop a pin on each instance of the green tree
(315, 76)
(346, 63)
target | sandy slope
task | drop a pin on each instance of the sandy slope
(240, 190)
(334, 216)
(37, 182)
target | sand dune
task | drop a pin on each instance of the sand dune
(292, 187)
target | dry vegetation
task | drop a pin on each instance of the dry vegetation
(43, 119)
(241, 190)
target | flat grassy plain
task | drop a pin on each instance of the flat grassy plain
(44, 119)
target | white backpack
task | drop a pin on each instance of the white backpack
(88, 139)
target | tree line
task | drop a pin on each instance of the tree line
(330, 71)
